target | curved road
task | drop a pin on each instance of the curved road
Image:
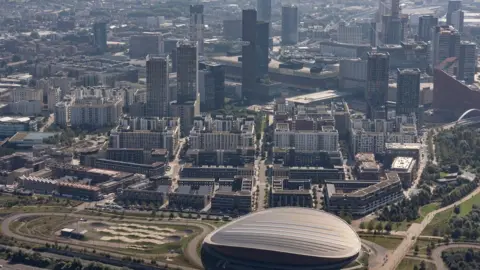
(190, 251)
(437, 253)
(415, 230)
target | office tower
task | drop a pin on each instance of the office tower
(249, 61)
(142, 45)
(262, 42)
(211, 86)
(174, 60)
(445, 44)
(187, 104)
(467, 62)
(372, 35)
(351, 33)
(457, 20)
(453, 5)
(232, 29)
(425, 27)
(289, 25)
(100, 36)
(264, 10)
(158, 92)
(377, 83)
(392, 25)
(408, 91)
(197, 26)
(187, 71)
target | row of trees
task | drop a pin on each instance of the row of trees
(466, 227)
(461, 259)
(407, 209)
(459, 146)
(377, 227)
(37, 260)
(458, 193)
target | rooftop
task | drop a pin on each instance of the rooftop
(318, 96)
(290, 231)
(402, 163)
(14, 119)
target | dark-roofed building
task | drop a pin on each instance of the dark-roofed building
(365, 200)
(291, 192)
(190, 196)
(233, 194)
(282, 238)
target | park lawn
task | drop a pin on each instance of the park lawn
(387, 241)
(426, 209)
(409, 264)
(466, 206)
(440, 221)
(443, 174)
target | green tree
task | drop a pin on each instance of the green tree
(371, 225)
(362, 225)
(388, 227)
(16, 58)
(379, 227)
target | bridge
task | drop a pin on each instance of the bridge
(462, 121)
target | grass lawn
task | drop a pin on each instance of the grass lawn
(439, 221)
(466, 206)
(426, 209)
(443, 174)
(386, 241)
(409, 264)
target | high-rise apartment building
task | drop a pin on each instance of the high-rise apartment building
(453, 5)
(187, 71)
(100, 36)
(187, 103)
(142, 45)
(264, 10)
(408, 91)
(377, 83)
(158, 92)
(467, 62)
(425, 27)
(197, 26)
(351, 33)
(213, 77)
(289, 25)
(249, 61)
(262, 42)
(232, 29)
(458, 19)
(445, 44)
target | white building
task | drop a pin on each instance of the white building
(26, 107)
(353, 73)
(23, 93)
(349, 33)
(94, 111)
(62, 113)
(371, 135)
(222, 133)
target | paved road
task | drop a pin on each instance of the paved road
(437, 253)
(414, 231)
(190, 252)
(49, 122)
(377, 253)
(262, 184)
